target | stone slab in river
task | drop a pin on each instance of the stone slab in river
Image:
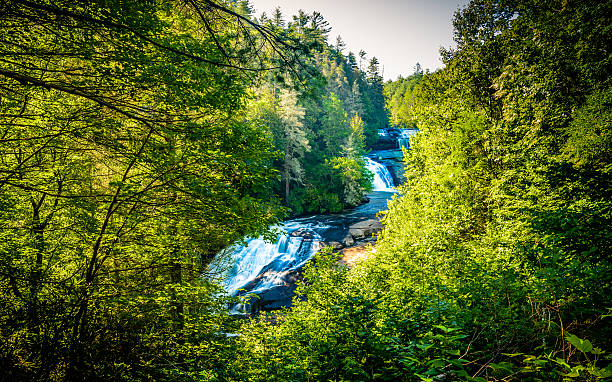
(364, 229)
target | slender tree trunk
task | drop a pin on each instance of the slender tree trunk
(39, 247)
(286, 176)
(176, 277)
(287, 187)
(80, 323)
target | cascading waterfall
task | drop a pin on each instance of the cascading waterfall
(260, 266)
(404, 138)
(383, 181)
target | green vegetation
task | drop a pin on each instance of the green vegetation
(494, 263)
(138, 139)
(399, 99)
(127, 162)
(322, 168)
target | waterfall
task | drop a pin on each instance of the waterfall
(383, 181)
(265, 268)
(260, 265)
(404, 138)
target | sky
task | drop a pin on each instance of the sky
(399, 33)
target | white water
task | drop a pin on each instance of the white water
(269, 261)
(404, 139)
(383, 181)
(261, 265)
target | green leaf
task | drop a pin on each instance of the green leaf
(572, 374)
(505, 366)
(584, 346)
(437, 363)
(445, 329)
(597, 351)
(477, 379)
(602, 373)
(424, 346)
(561, 362)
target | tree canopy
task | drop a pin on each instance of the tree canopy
(138, 139)
(128, 162)
(494, 262)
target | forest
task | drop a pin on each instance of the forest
(140, 139)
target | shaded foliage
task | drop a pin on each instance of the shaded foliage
(494, 263)
(127, 162)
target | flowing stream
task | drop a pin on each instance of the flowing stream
(270, 270)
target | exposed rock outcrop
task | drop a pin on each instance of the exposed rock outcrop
(364, 229)
(306, 234)
(350, 256)
(348, 241)
(275, 297)
(335, 245)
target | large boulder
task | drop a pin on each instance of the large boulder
(364, 229)
(397, 170)
(348, 241)
(274, 297)
(302, 232)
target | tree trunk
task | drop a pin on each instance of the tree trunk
(176, 277)
(286, 177)
(39, 244)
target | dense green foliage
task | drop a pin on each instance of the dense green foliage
(139, 138)
(127, 161)
(322, 168)
(494, 263)
(399, 99)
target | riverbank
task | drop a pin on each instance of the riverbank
(266, 273)
(270, 271)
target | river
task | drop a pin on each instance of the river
(270, 270)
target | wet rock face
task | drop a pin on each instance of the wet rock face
(281, 295)
(348, 241)
(391, 138)
(306, 234)
(397, 171)
(364, 229)
(387, 139)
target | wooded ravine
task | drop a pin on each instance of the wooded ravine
(193, 192)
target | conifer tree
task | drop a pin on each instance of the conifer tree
(354, 103)
(277, 18)
(295, 141)
(335, 129)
